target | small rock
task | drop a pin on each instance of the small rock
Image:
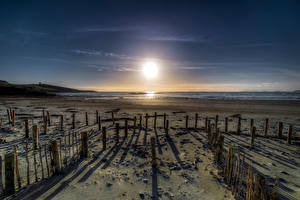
(142, 196)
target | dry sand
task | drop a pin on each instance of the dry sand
(185, 164)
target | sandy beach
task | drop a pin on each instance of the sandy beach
(186, 168)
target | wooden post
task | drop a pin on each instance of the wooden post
(0, 123)
(216, 123)
(226, 124)
(99, 123)
(10, 173)
(147, 121)
(141, 122)
(289, 138)
(196, 120)
(279, 133)
(104, 138)
(35, 137)
(1, 183)
(238, 131)
(153, 152)
(167, 127)
(73, 121)
(86, 119)
(43, 113)
(252, 136)
(17, 168)
(13, 118)
(54, 157)
(112, 117)
(266, 127)
(117, 133)
(26, 128)
(187, 122)
(84, 140)
(251, 126)
(97, 119)
(45, 126)
(206, 124)
(165, 117)
(126, 128)
(134, 124)
(48, 118)
(61, 122)
(8, 116)
(154, 123)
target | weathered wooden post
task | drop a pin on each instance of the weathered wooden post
(43, 113)
(154, 164)
(266, 127)
(165, 118)
(140, 122)
(104, 138)
(196, 120)
(112, 117)
(146, 121)
(279, 133)
(73, 121)
(26, 128)
(216, 123)
(13, 118)
(154, 123)
(206, 124)
(45, 126)
(61, 122)
(97, 117)
(134, 124)
(86, 119)
(126, 128)
(251, 125)
(226, 124)
(10, 173)
(54, 157)
(238, 131)
(186, 121)
(167, 127)
(8, 116)
(289, 137)
(252, 136)
(48, 118)
(117, 133)
(17, 168)
(84, 144)
(35, 137)
(99, 123)
(1, 183)
(0, 123)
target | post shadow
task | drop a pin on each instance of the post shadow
(154, 183)
(126, 149)
(175, 151)
(157, 141)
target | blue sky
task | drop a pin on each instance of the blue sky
(197, 45)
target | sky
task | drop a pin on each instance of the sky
(202, 45)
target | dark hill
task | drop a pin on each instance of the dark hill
(8, 89)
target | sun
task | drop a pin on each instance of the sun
(150, 70)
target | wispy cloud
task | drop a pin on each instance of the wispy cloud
(102, 53)
(111, 29)
(174, 38)
(248, 45)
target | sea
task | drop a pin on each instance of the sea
(197, 95)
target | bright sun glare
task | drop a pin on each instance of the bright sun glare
(150, 69)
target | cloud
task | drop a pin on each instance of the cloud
(249, 45)
(31, 33)
(174, 38)
(102, 53)
(111, 29)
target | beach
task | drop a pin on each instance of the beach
(186, 168)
